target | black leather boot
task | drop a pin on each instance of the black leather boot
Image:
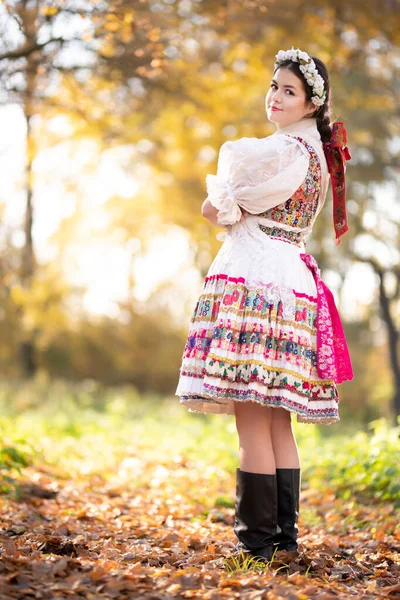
(256, 513)
(288, 484)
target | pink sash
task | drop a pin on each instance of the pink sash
(333, 357)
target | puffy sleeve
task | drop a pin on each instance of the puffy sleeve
(256, 174)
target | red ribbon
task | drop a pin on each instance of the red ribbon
(336, 153)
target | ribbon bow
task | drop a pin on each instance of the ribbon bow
(336, 153)
(333, 357)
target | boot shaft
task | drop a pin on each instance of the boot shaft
(256, 509)
(288, 493)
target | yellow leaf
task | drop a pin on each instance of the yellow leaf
(112, 26)
(18, 294)
(49, 11)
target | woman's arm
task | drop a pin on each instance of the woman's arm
(255, 175)
(210, 213)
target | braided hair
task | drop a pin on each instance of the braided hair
(321, 113)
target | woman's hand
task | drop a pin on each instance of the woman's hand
(210, 213)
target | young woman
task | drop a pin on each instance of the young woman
(265, 338)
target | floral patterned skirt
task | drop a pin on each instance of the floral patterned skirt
(252, 334)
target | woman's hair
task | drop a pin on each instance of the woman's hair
(322, 113)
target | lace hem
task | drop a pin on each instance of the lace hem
(201, 404)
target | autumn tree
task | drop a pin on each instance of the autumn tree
(44, 44)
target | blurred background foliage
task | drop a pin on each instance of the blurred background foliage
(89, 428)
(153, 88)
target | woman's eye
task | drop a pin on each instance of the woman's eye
(273, 85)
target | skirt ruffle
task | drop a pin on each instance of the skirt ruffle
(252, 334)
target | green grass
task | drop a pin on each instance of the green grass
(245, 562)
(87, 428)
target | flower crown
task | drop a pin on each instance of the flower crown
(309, 70)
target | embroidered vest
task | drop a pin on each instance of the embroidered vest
(299, 210)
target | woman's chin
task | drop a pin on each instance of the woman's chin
(273, 116)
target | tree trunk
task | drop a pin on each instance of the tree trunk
(393, 336)
(27, 351)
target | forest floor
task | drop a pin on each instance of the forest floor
(162, 529)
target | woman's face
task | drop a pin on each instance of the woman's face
(287, 94)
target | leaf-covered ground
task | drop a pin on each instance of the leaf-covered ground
(109, 495)
(164, 530)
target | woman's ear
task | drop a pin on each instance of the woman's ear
(311, 106)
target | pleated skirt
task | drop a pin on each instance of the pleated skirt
(252, 335)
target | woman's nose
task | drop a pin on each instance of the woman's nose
(276, 96)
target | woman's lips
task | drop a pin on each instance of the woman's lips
(274, 108)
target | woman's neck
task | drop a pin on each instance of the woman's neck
(304, 125)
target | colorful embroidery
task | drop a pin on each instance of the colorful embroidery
(293, 237)
(222, 295)
(239, 337)
(299, 210)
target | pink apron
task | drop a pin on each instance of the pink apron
(333, 357)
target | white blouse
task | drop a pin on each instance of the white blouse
(260, 173)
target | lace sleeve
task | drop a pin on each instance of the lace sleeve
(256, 174)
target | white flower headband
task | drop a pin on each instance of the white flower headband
(309, 70)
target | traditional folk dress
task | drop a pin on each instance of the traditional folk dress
(265, 327)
